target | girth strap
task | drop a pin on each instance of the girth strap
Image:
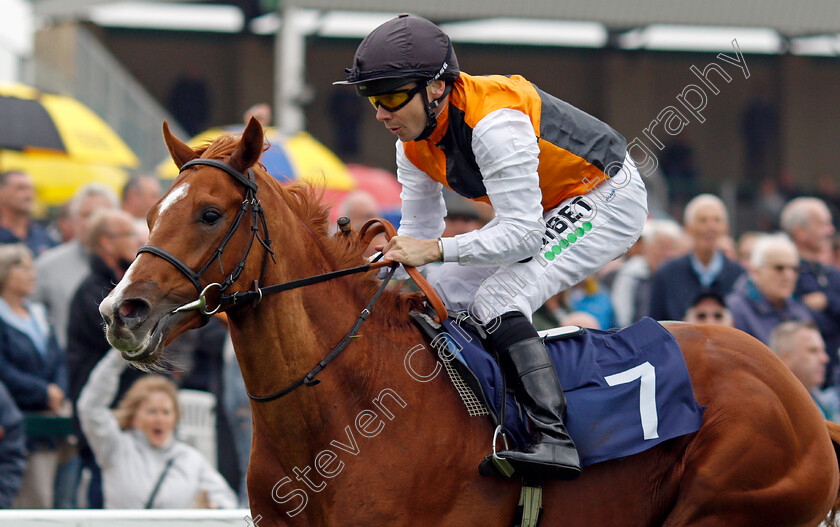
(529, 511)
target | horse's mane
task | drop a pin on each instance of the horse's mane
(343, 251)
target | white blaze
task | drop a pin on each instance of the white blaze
(176, 194)
(126, 280)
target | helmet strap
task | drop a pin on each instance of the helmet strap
(431, 106)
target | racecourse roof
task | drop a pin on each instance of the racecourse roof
(790, 18)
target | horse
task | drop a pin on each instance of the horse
(373, 444)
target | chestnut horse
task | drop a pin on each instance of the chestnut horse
(381, 441)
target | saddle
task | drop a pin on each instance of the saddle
(627, 390)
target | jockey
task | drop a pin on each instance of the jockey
(567, 198)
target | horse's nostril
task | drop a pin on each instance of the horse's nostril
(133, 311)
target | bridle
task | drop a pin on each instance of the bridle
(258, 218)
(256, 294)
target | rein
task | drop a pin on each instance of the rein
(368, 231)
(309, 379)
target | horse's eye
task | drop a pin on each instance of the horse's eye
(210, 216)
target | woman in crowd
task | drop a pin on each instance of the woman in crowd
(143, 465)
(32, 366)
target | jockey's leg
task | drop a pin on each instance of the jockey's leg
(552, 452)
(457, 284)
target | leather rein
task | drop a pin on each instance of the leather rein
(255, 295)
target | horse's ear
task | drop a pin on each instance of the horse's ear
(180, 152)
(250, 147)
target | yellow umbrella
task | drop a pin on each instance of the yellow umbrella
(60, 142)
(299, 157)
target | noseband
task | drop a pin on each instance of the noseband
(258, 218)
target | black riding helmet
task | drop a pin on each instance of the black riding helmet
(405, 49)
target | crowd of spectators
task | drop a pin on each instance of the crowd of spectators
(61, 444)
(782, 287)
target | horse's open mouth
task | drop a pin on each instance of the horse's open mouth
(150, 347)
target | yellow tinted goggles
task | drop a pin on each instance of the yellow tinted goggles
(394, 100)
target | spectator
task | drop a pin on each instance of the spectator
(764, 298)
(237, 408)
(678, 282)
(746, 242)
(12, 448)
(32, 367)
(143, 465)
(60, 225)
(552, 312)
(112, 242)
(709, 308)
(835, 250)
(808, 223)
(661, 241)
(582, 319)
(802, 349)
(17, 200)
(359, 206)
(202, 357)
(588, 297)
(768, 205)
(262, 111)
(140, 194)
(61, 269)
(727, 246)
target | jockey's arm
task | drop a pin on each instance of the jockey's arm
(506, 151)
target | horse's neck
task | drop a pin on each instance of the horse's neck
(289, 333)
(375, 401)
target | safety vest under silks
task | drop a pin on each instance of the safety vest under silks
(577, 151)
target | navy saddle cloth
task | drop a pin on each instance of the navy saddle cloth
(626, 390)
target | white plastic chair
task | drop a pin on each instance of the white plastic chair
(198, 422)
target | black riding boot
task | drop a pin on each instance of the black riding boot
(553, 453)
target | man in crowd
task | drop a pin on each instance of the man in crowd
(709, 308)
(140, 194)
(764, 299)
(359, 206)
(705, 268)
(112, 241)
(17, 200)
(661, 241)
(802, 349)
(808, 223)
(61, 269)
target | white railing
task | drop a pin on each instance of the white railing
(126, 518)
(131, 518)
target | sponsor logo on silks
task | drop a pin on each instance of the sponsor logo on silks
(610, 196)
(565, 227)
(564, 243)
